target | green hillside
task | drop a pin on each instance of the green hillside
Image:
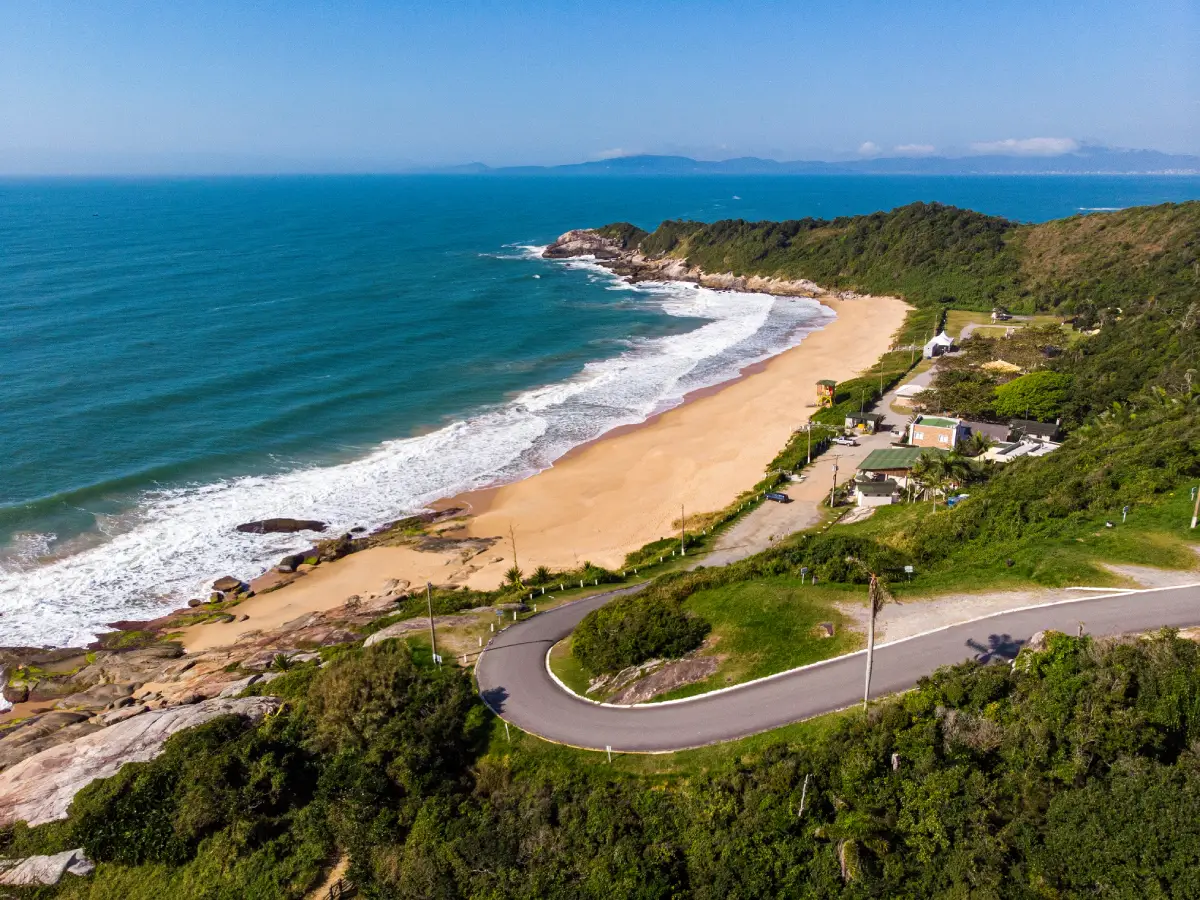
(1134, 274)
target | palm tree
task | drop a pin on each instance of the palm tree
(978, 444)
(513, 576)
(541, 575)
(877, 596)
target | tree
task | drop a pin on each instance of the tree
(978, 444)
(877, 596)
(1038, 395)
(512, 576)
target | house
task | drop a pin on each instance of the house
(894, 463)
(864, 423)
(936, 431)
(825, 392)
(868, 492)
(1010, 450)
(943, 343)
(906, 393)
(1034, 431)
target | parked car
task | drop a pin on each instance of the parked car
(778, 497)
(845, 441)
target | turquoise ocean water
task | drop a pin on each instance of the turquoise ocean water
(180, 356)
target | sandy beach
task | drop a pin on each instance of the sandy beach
(616, 494)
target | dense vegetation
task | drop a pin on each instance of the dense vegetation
(1074, 772)
(632, 629)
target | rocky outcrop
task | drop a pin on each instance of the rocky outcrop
(408, 626)
(40, 788)
(43, 870)
(585, 242)
(668, 678)
(281, 526)
(229, 584)
(636, 267)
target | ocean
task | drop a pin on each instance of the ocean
(181, 356)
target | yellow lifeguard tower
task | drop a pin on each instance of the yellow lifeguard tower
(825, 391)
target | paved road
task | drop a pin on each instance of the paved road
(514, 682)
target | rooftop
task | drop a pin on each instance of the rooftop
(937, 422)
(894, 458)
(865, 417)
(827, 382)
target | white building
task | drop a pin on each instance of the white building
(943, 343)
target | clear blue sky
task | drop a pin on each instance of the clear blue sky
(305, 86)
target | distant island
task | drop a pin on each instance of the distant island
(1087, 160)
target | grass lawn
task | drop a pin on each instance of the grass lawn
(568, 669)
(1070, 554)
(768, 625)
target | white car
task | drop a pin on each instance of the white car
(845, 441)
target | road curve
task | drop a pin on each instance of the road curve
(514, 681)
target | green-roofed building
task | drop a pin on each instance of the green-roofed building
(893, 462)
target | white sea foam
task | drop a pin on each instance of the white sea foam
(178, 540)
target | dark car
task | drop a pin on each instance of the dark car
(778, 497)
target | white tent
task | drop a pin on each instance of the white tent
(938, 345)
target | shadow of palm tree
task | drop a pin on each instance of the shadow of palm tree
(494, 698)
(999, 647)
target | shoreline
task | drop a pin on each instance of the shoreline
(614, 494)
(529, 504)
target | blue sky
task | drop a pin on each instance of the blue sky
(364, 86)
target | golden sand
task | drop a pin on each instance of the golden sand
(616, 494)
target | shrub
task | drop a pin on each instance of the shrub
(631, 630)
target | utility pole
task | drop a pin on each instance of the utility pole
(833, 490)
(808, 428)
(1196, 509)
(682, 532)
(432, 635)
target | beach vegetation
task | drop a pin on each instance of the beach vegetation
(632, 629)
(1072, 772)
(513, 576)
(1038, 395)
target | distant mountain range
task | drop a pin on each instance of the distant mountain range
(1085, 161)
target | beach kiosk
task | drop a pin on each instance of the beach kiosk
(825, 390)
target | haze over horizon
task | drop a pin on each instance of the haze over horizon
(135, 88)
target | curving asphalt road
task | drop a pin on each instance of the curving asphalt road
(515, 683)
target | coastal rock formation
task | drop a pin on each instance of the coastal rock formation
(281, 526)
(633, 265)
(43, 870)
(229, 584)
(584, 242)
(40, 788)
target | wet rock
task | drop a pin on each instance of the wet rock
(41, 787)
(336, 548)
(229, 583)
(43, 870)
(291, 562)
(281, 526)
(16, 693)
(194, 602)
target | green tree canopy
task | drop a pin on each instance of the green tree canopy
(1038, 395)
